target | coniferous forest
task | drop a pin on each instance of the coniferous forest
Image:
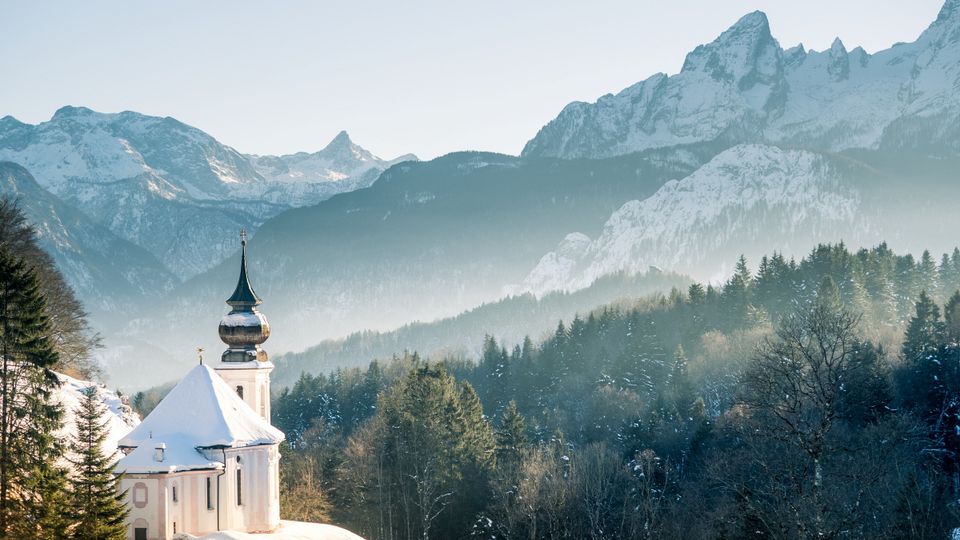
(810, 398)
(53, 484)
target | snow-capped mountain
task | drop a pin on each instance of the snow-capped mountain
(105, 270)
(169, 187)
(743, 87)
(749, 195)
(307, 178)
(340, 160)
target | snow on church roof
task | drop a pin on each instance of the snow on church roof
(177, 456)
(201, 412)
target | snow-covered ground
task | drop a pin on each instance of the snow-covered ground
(289, 530)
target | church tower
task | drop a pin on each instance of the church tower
(244, 365)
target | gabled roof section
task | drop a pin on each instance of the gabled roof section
(203, 412)
(243, 296)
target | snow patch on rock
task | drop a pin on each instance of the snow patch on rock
(746, 191)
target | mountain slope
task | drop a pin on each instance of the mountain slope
(163, 185)
(743, 87)
(106, 271)
(508, 320)
(753, 197)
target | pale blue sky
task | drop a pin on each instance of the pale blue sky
(427, 77)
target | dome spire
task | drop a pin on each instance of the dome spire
(243, 296)
(244, 328)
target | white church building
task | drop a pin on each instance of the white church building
(206, 459)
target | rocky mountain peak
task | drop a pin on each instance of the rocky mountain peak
(343, 148)
(946, 28)
(745, 49)
(839, 65)
(340, 143)
(70, 111)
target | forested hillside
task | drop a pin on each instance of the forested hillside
(804, 398)
(507, 320)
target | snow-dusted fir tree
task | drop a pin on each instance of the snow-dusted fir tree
(96, 504)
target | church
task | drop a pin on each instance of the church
(207, 459)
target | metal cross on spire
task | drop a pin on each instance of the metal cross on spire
(243, 237)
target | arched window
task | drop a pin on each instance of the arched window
(263, 401)
(240, 391)
(209, 494)
(239, 487)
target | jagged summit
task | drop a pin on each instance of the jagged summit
(839, 67)
(744, 48)
(743, 86)
(342, 147)
(342, 139)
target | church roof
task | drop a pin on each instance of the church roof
(176, 457)
(201, 412)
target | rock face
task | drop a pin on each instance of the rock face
(750, 198)
(170, 188)
(743, 87)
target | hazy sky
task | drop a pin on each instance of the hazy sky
(427, 77)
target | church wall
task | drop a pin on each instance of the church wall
(145, 498)
(259, 510)
(161, 515)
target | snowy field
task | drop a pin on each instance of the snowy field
(289, 530)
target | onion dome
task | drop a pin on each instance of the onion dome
(244, 328)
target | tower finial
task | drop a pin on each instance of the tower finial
(244, 328)
(243, 296)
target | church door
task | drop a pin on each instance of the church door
(140, 533)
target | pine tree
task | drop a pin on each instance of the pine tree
(829, 294)
(643, 366)
(951, 317)
(681, 391)
(511, 436)
(736, 295)
(96, 503)
(696, 294)
(43, 487)
(478, 438)
(29, 479)
(925, 330)
(927, 270)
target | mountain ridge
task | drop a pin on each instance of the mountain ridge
(166, 186)
(743, 87)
